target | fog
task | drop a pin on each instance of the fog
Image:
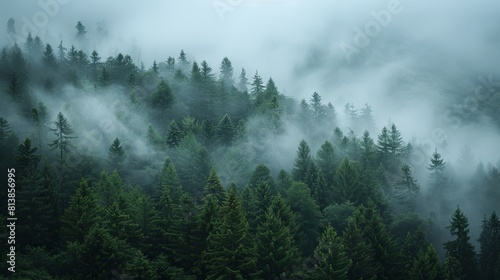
(423, 63)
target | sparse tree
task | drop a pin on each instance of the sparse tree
(63, 132)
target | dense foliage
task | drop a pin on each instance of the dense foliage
(177, 172)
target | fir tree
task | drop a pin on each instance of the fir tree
(229, 253)
(174, 135)
(81, 215)
(348, 185)
(277, 252)
(63, 132)
(489, 241)
(407, 188)
(332, 261)
(461, 249)
(325, 158)
(116, 155)
(426, 266)
(299, 172)
(162, 97)
(226, 131)
(242, 85)
(214, 187)
(361, 252)
(257, 85)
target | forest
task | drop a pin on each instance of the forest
(177, 169)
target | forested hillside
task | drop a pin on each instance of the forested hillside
(178, 169)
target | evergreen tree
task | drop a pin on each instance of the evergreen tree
(325, 158)
(307, 216)
(426, 266)
(229, 253)
(63, 132)
(104, 78)
(461, 249)
(81, 215)
(396, 147)
(368, 152)
(116, 155)
(214, 187)
(489, 241)
(262, 175)
(407, 188)
(384, 146)
(226, 73)
(167, 185)
(257, 85)
(299, 172)
(49, 58)
(332, 261)
(174, 135)
(226, 131)
(386, 251)
(438, 180)
(361, 252)
(162, 97)
(277, 252)
(348, 186)
(120, 225)
(242, 85)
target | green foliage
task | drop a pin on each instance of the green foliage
(332, 261)
(426, 266)
(81, 215)
(277, 252)
(461, 249)
(163, 96)
(299, 172)
(229, 253)
(116, 155)
(336, 215)
(174, 135)
(214, 188)
(407, 188)
(348, 185)
(63, 133)
(225, 131)
(489, 241)
(307, 216)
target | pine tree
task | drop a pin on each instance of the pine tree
(461, 249)
(226, 73)
(348, 185)
(396, 147)
(242, 85)
(262, 175)
(63, 132)
(225, 131)
(80, 28)
(120, 225)
(299, 172)
(277, 252)
(332, 261)
(257, 85)
(81, 215)
(167, 185)
(229, 253)
(174, 135)
(426, 266)
(438, 180)
(162, 97)
(489, 241)
(214, 187)
(116, 155)
(325, 158)
(386, 251)
(307, 216)
(368, 152)
(361, 252)
(49, 58)
(384, 146)
(407, 188)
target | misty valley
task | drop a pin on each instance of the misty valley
(185, 168)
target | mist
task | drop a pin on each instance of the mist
(429, 68)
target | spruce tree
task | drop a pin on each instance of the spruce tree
(229, 253)
(162, 97)
(116, 155)
(242, 84)
(384, 147)
(49, 58)
(214, 187)
(81, 215)
(63, 132)
(426, 266)
(489, 240)
(325, 158)
(226, 73)
(407, 188)
(348, 185)
(277, 251)
(257, 85)
(226, 131)
(332, 262)
(299, 172)
(460, 248)
(174, 135)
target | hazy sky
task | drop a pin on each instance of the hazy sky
(417, 50)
